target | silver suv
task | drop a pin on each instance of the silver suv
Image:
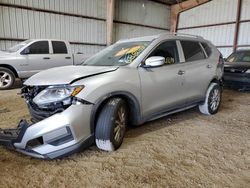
(128, 83)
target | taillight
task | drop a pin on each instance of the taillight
(220, 62)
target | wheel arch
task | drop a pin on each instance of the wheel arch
(217, 80)
(130, 99)
(10, 68)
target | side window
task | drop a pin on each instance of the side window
(246, 57)
(168, 50)
(59, 47)
(40, 47)
(192, 51)
(207, 49)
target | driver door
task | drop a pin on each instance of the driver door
(162, 87)
(37, 58)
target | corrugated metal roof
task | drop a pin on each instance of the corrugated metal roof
(213, 12)
(245, 13)
(244, 31)
(25, 24)
(96, 8)
(218, 35)
(143, 12)
(123, 31)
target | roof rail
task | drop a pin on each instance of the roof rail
(188, 35)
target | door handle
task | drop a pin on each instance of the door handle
(67, 57)
(46, 58)
(209, 66)
(181, 72)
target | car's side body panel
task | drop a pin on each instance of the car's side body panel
(168, 91)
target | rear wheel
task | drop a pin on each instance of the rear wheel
(212, 101)
(7, 78)
(111, 125)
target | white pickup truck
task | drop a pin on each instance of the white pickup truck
(31, 56)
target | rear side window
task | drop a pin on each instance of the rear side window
(41, 47)
(207, 49)
(192, 51)
(59, 47)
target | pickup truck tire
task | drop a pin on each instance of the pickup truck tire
(7, 78)
(111, 125)
(212, 101)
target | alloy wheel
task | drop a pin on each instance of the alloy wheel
(5, 79)
(215, 99)
(120, 124)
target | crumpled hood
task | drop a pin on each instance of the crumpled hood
(66, 74)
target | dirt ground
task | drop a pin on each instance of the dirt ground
(183, 150)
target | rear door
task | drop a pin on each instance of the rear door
(197, 70)
(162, 87)
(61, 55)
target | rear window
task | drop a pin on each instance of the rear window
(59, 47)
(207, 49)
(192, 51)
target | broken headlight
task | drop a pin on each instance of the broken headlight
(55, 94)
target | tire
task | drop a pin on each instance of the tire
(111, 125)
(212, 101)
(7, 78)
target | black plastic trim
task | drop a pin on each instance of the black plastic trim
(10, 136)
(72, 149)
(38, 115)
(172, 110)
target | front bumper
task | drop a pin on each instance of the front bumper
(10, 136)
(238, 80)
(54, 137)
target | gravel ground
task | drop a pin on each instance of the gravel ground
(183, 150)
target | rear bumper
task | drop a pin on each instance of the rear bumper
(237, 79)
(54, 137)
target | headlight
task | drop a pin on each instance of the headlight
(248, 71)
(56, 94)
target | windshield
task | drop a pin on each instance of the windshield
(118, 54)
(18, 46)
(243, 56)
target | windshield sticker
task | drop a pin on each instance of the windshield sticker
(121, 52)
(134, 49)
(132, 53)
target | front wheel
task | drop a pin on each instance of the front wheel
(111, 125)
(7, 78)
(212, 101)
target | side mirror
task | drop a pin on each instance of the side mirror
(155, 61)
(26, 51)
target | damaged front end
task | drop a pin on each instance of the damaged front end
(44, 110)
(54, 130)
